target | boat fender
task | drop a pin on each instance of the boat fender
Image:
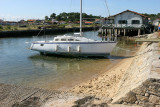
(69, 48)
(56, 48)
(78, 48)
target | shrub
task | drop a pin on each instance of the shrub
(15, 28)
(8, 27)
(1, 27)
(62, 26)
(28, 28)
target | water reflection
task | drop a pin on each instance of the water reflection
(61, 72)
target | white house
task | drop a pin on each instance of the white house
(156, 22)
(128, 18)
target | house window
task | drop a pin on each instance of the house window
(122, 21)
(135, 21)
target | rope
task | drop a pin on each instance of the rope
(107, 7)
(39, 32)
(70, 6)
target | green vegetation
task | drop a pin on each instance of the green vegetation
(73, 17)
(36, 27)
(1, 28)
(8, 27)
(53, 16)
(66, 20)
(153, 16)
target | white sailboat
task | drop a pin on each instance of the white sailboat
(74, 46)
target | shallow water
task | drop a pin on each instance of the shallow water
(19, 65)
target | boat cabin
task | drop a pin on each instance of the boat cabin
(65, 38)
(70, 39)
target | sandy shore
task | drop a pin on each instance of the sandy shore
(97, 91)
(105, 85)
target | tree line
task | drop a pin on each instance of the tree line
(152, 16)
(72, 16)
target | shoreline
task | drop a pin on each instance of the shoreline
(133, 82)
(95, 86)
(23, 33)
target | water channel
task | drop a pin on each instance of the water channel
(21, 66)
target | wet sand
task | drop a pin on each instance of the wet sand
(104, 85)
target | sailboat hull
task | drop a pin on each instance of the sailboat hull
(75, 49)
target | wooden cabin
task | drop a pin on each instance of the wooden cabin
(126, 23)
(128, 18)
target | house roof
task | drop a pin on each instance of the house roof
(31, 20)
(130, 11)
(88, 22)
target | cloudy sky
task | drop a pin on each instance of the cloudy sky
(37, 9)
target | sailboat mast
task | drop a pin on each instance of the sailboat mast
(81, 18)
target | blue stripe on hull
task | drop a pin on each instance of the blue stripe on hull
(75, 54)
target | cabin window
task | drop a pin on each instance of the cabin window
(122, 21)
(56, 39)
(77, 40)
(41, 44)
(135, 21)
(63, 39)
(70, 39)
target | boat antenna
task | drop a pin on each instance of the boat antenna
(81, 18)
(107, 7)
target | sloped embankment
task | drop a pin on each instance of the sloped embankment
(141, 82)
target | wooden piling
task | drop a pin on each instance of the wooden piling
(139, 32)
(124, 32)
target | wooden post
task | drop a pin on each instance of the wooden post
(105, 33)
(115, 31)
(110, 34)
(124, 32)
(102, 32)
(119, 31)
(139, 32)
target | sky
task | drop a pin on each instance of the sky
(14, 10)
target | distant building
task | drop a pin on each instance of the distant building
(156, 22)
(31, 21)
(1, 22)
(61, 22)
(54, 21)
(97, 21)
(127, 18)
(88, 23)
(10, 23)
